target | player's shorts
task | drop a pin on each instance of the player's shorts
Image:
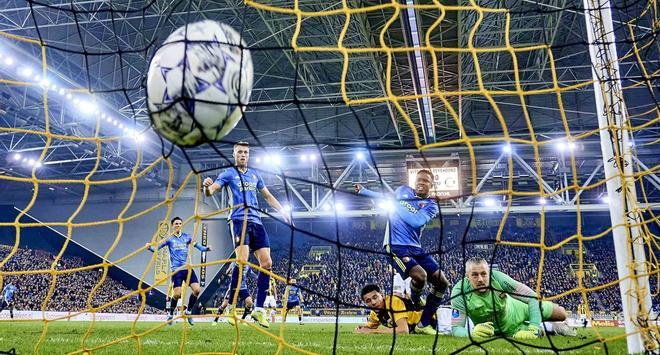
(243, 294)
(255, 234)
(292, 305)
(406, 257)
(181, 276)
(270, 302)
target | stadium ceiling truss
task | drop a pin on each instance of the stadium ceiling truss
(119, 77)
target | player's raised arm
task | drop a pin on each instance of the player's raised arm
(212, 186)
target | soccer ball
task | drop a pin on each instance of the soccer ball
(198, 84)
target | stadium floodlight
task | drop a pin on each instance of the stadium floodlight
(507, 148)
(312, 157)
(76, 100)
(386, 205)
(53, 87)
(561, 146)
(276, 159)
(25, 72)
(121, 126)
(9, 61)
(257, 160)
(31, 162)
(304, 157)
(69, 96)
(572, 146)
(17, 156)
(339, 207)
(359, 155)
(44, 82)
(605, 199)
(38, 164)
(542, 201)
(61, 91)
(286, 207)
(108, 119)
(86, 106)
(489, 202)
(326, 207)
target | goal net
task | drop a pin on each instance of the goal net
(541, 118)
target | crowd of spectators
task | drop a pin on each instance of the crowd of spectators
(71, 290)
(361, 260)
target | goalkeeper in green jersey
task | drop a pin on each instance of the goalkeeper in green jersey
(500, 305)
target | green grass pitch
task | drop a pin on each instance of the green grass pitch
(65, 337)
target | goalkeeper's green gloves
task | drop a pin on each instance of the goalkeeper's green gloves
(532, 332)
(483, 330)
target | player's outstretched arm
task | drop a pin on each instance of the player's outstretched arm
(274, 203)
(523, 293)
(201, 247)
(401, 328)
(458, 313)
(161, 245)
(363, 191)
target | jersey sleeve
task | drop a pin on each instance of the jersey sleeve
(423, 215)
(161, 245)
(398, 309)
(458, 312)
(521, 292)
(224, 178)
(260, 181)
(368, 193)
(372, 321)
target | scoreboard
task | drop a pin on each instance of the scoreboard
(446, 175)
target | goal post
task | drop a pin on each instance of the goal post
(616, 147)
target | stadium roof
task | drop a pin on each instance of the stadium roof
(105, 47)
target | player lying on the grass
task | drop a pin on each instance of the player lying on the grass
(178, 244)
(8, 293)
(243, 296)
(293, 299)
(500, 305)
(396, 314)
(243, 183)
(412, 210)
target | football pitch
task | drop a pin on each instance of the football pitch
(66, 337)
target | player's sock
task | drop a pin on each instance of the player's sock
(299, 318)
(247, 312)
(263, 282)
(415, 293)
(234, 278)
(191, 303)
(432, 303)
(173, 303)
(547, 326)
(11, 313)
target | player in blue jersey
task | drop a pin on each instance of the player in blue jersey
(412, 210)
(243, 184)
(293, 300)
(8, 293)
(243, 296)
(178, 244)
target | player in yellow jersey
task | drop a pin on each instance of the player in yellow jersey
(270, 304)
(396, 314)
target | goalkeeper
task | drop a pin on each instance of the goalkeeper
(500, 305)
